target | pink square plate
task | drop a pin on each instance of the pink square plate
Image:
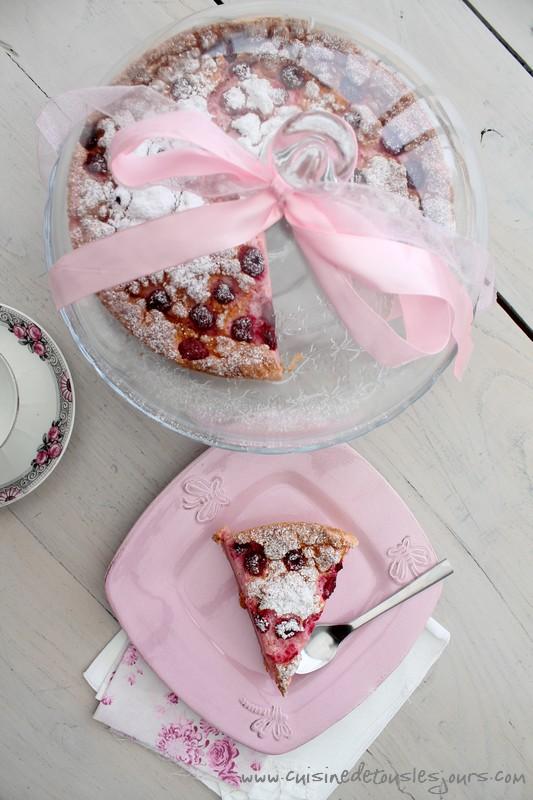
(175, 595)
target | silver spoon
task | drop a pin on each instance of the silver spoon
(325, 639)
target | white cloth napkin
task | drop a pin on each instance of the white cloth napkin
(134, 702)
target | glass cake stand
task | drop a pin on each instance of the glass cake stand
(336, 391)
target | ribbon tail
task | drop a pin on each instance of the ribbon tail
(160, 244)
(435, 306)
(368, 328)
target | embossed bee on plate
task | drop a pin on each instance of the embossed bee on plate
(408, 560)
(269, 720)
(206, 496)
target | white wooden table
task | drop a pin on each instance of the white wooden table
(462, 457)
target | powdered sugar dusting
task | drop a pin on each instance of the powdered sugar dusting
(249, 126)
(151, 202)
(312, 90)
(91, 194)
(386, 174)
(236, 358)
(277, 541)
(357, 68)
(261, 95)
(96, 229)
(290, 593)
(254, 134)
(327, 557)
(287, 628)
(438, 209)
(193, 276)
(194, 103)
(234, 98)
(367, 124)
(286, 672)
(293, 592)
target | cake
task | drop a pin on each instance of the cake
(215, 314)
(285, 572)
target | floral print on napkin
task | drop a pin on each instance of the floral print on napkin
(139, 704)
(201, 745)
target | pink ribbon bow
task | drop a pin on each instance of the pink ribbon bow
(333, 236)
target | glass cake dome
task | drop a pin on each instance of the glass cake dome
(410, 142)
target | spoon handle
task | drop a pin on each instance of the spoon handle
(433, 575)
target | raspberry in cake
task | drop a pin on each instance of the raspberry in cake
(285, 572)
(215, 314)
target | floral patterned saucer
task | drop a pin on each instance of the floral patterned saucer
(36, 405)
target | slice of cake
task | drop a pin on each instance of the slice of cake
(285, 571)
(214, 315)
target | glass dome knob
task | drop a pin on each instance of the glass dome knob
(315, 150)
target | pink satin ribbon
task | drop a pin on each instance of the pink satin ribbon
(435, 306)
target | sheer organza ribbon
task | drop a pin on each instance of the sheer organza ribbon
(345, 257)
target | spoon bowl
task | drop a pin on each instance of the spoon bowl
(325, 639)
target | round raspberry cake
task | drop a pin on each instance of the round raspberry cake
(215, 314)
(285, 571)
